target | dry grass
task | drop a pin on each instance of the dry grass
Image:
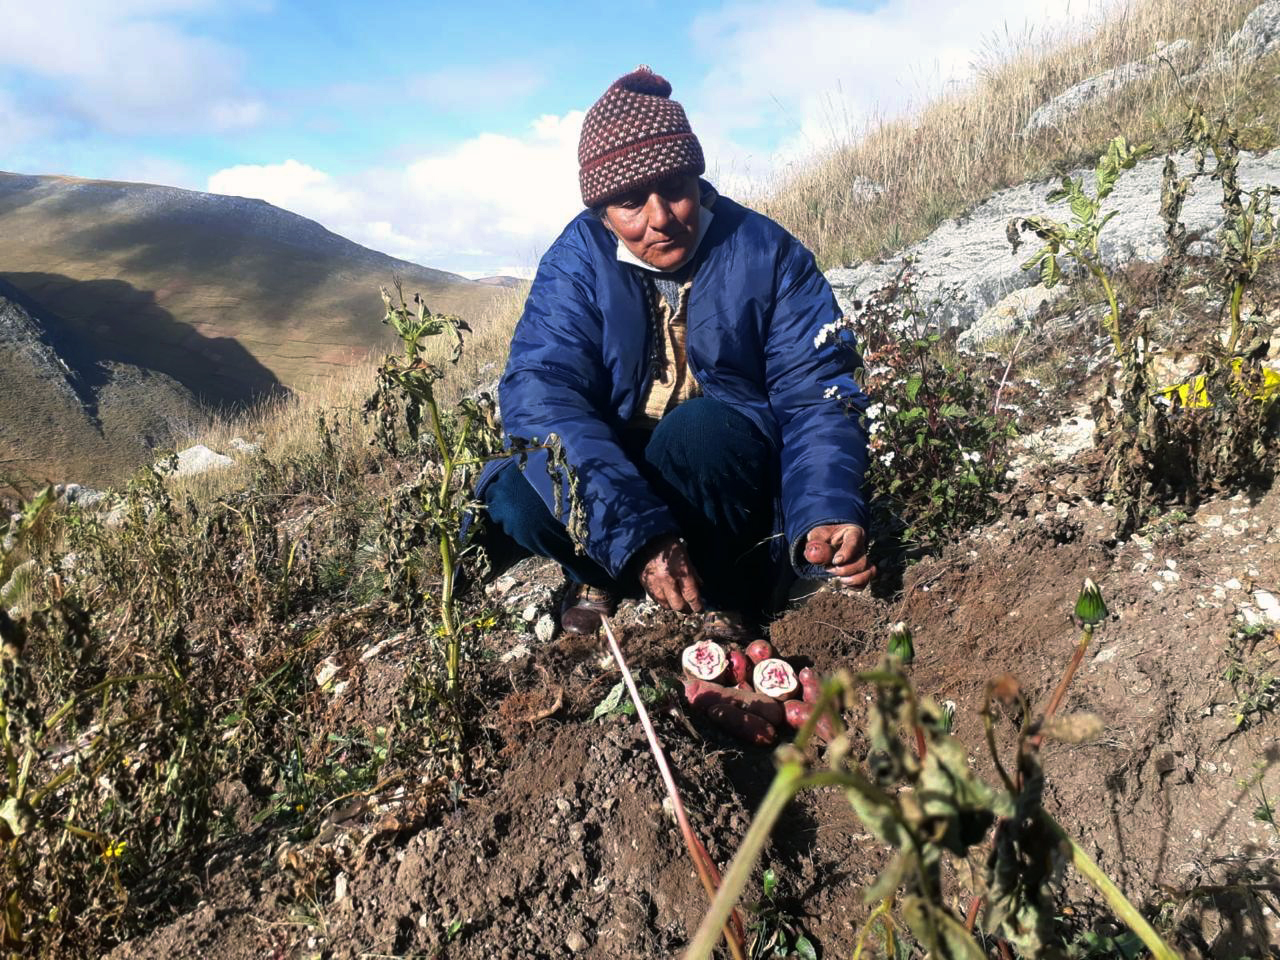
(962, 146)
(288, 426)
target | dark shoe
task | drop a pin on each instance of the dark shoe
(582, 607)
(725, 627)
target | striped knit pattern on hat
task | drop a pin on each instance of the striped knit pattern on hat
(633, 136)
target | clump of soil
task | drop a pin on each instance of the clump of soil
(568, 849)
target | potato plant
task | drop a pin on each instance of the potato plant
(451, 447)
(945, 810)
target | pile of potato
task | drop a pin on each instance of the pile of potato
(751, 694)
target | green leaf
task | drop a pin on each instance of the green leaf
(610, 703)
(804, 949)
(913, 387)
(769, 883)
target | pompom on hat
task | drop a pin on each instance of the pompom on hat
(633, 136)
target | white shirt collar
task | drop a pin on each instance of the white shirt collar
(704, 224)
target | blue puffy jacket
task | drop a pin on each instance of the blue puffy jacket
(579, 367)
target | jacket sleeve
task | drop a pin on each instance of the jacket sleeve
(556, 382)
(817, 404)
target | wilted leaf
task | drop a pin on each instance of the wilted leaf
(610, 703)
(939, 932)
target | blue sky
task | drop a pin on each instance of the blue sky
(446, 133)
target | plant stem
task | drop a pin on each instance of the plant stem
(1118, 902)
(786, 784)
(1237, 294)
(1058, 695)
(1113, 327)
(707, 873)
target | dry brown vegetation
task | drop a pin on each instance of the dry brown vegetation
(938, 162)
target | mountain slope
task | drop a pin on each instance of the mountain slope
(161, 294)
(227, 295)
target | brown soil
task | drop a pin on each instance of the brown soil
(568, 848)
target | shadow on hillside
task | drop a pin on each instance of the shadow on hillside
(92, 321)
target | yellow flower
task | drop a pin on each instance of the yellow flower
(114, 849)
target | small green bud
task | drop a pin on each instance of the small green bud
(900, 645)
(947, 718)
(1090, 608)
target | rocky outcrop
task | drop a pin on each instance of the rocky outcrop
(1106, 84)
(967, 265)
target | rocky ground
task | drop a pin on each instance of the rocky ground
(567, 849)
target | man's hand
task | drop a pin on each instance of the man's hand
(668, 575)
(841, 550)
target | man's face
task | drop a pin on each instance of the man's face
(659, 224)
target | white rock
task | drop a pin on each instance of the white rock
(196, 460)
(1013, 312)
(518, 652)
(1268, 606)
(340, 887)
(326, 670)
(545, 628)
(1104, 85)
(967, 265)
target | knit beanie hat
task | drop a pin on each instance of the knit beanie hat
(633, 136)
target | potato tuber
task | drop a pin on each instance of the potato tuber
(740, 667)
(817, 552)
(775, 678)
(798, 712)
(810, 685)
(705, 660)
(759, 650)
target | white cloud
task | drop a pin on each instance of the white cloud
(492, 199)
(799, 76)
(127, 66)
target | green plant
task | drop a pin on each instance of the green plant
(946, 810)
(430, 510)
(937, 451)
(1078, 238)
(774, 932)
(1253, 672)
(900, 644)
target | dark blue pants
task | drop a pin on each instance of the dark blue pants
(717, 474)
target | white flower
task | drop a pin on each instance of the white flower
(972, 456)
(875, 410)
(831, 391)
(887, 457)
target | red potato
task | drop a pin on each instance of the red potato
(759, 650)
(740, 667)
(743, 725)
(810, 685)
(798, 712)
(703, 695)
(776, 679)
(819, 553)
(705, 660)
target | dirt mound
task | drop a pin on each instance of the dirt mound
(568, 849)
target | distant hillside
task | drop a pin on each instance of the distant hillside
(221, 299)
(98, 424)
